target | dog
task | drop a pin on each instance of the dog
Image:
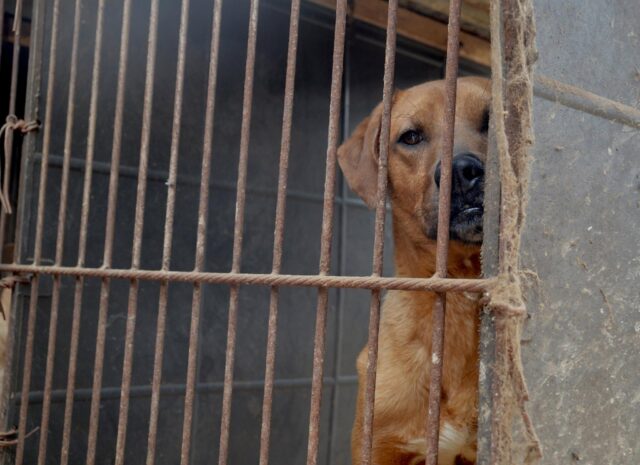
(404, 356)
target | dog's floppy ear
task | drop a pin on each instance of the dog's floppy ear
(358, 157)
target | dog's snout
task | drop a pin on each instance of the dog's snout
(467, 171)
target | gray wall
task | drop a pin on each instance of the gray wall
(353, 239)
(581, 238)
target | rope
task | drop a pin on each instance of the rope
(512, 96)
(9, 282)
(12, 124)
(361, 282)
(10, 438)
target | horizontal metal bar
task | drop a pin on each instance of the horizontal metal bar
(186, 180)
(114, 392)
(583, 100)
(358, 282)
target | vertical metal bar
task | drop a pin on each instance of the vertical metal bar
(32, 111)
(62, 213)
(82, 241)
(17, 30)
(508, 131)
(1, 25)
(374, 311)
(6, 176)
(238, 232)
(138, 229)
(13, 95)
(12, 108)
(327, 230)
(338, 347)
(201, 239)
(444, 206)
(37, 252)
(489, 391)
(169, 221)
(109, 234)
(490, 248)
(281, 203)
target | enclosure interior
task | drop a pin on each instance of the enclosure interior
(352, 242)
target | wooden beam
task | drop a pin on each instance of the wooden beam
(473, 18)
(414, 26)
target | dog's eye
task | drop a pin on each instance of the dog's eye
(484, 125)
(411, 137)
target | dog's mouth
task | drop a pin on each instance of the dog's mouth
(466, 223)
(467, 200)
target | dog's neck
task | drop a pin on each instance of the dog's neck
(415, 255)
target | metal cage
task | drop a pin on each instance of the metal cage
(88, 148)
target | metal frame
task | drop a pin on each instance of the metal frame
(235, 278)
(323, 280)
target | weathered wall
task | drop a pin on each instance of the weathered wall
(581, 343)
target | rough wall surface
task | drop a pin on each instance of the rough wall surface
(581, 238)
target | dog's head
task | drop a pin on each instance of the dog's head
(415, 146)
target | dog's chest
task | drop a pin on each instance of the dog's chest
(452, 443)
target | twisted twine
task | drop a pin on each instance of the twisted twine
(512, 96)
(12, 123)
(272, 279)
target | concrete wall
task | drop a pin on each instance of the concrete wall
(580, 345)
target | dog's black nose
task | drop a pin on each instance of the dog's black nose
(467, 173)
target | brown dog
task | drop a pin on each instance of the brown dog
(402, 387)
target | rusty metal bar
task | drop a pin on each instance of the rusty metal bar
(327, 231)
(13, 95)
(583, 100)
(341, 198)
(281, 203)
(444, 207)
(378, 246)
(492, 440)
(138, 228)
(109, 234)
(435, 283)
(37, 252)
(82, 241)
(490, 248)
(32, 108)
(1, 25)
(169, 222)
(12, 110)
(203, 209)
(191, 180)
(238, 232)
(62, 213)
(171, 389)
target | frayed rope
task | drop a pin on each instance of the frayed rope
(513, 33)
(12, 123)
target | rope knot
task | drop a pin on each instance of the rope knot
(12, 123)
(11, 281)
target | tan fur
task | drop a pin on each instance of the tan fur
(405, 329)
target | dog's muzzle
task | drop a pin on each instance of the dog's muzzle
(467, 196)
